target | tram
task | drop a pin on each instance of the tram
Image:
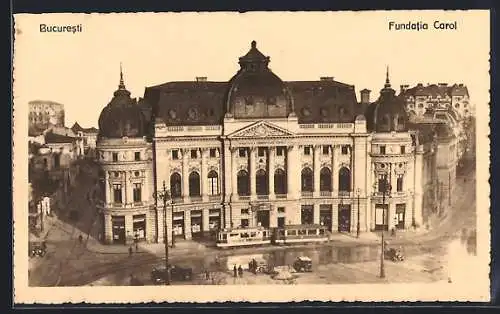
(300, 234)
(241, 237)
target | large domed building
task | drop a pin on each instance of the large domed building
(255, 151)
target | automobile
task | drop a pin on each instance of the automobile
(37, 249)
(259, 266)
(302, 264)
(395, 255)
(177, 273)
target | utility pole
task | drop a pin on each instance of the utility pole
(164, 197)
(358, 192)
(386, 188)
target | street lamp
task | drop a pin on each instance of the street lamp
(358, 193)
(164, 195)
(386, 187)
(413, 222)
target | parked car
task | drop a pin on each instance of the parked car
(259, 266)
(37, 249)
(302, 264)
(177, 273)
(395, 255)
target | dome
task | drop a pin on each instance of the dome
(255, 91)
(388, 113)
(122, 117)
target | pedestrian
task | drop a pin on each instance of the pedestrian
(207, 275)
(240, 271)
(130, 251)
(137, 246)
(235, 271)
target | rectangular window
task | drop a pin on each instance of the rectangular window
(242, 152)
(345, 149)
(261, 151)
(326, 149)
(244, 211)
(403, 149)
(244, 223)
(137, 192)
(400, 183)
(117, 193)
(382, 181)
(175, 154)
(307, 150)
(194, 153)
(137, 156)
(382, 149)
(281, 210)
(213, 152)
(115, 156)
(280, 151)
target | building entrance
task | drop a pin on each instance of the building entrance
(139, 222)
(325, 216)
(178, 224)
(344, 218)
(196, 224)
(281, 222)
(118, 226)
(400, 216)
(263, 218)
(307, 215)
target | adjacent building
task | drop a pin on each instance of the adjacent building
(259, 151)
(45, 113)
(86, 139)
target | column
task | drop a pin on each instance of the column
(393, 177)
(129, 229)
(187, 224)
(292, 172)
(316, 151)
(204, 175)
(205, 220)
(108, 229)
(316, 214)
(335, 168)
(271, 155)
(129, 189)
(391, 213)
(124, 187)
(107, 188)
(234, 174)
(185, 175)
(226, 174)
(273, 216)
(253, 187)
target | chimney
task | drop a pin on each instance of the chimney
(326, 78)
(365, 96)
(201, 79)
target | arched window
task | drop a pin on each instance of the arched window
(213, 183)
(325, 180)
(307, 180)
(194, 184)
(243, 183)
(279, 181)
(261, 182)
(175, 185)
(344, 180)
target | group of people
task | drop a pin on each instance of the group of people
(237, 272)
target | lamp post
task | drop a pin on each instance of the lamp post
(385, 188)
(164, 195)
(358, 193)
(413, 222)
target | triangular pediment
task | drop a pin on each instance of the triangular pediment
(262, 129)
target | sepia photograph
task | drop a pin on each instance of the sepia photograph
(291, 156)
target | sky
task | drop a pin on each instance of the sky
(81, 70)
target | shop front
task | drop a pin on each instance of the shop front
(344, 218)
(214, 221)
(118, 227)
(139, 225)
(307, 214)
(400, 216)
(325, 216)
(178, 225)
(196, 224)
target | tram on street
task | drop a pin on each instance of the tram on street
(300, 234)
(241, 237)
